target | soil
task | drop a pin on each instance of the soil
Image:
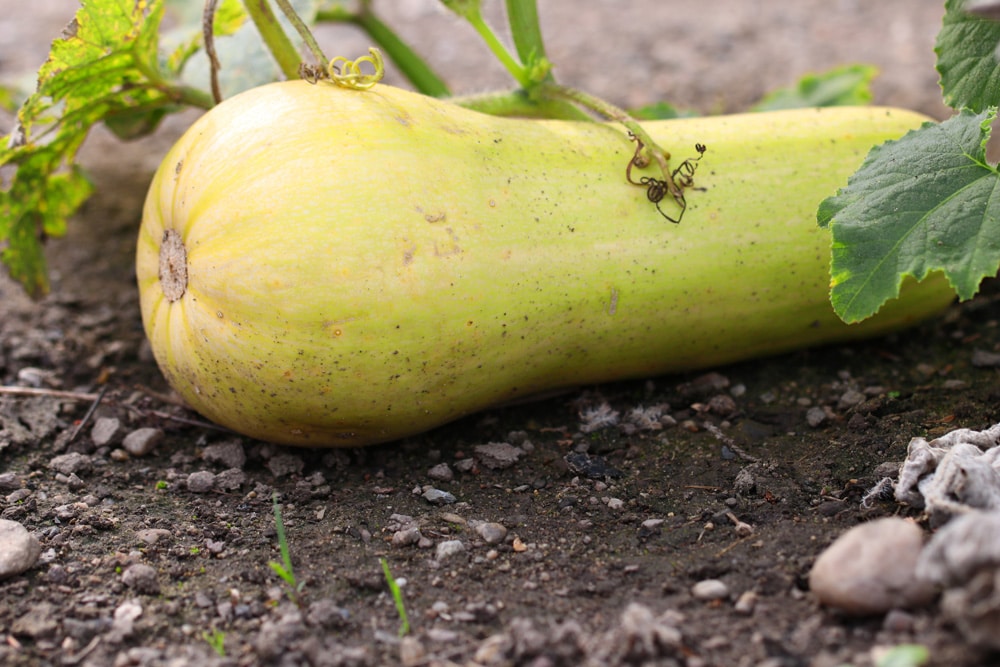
(582, 544)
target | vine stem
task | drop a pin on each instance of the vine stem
(303, 30)
(208, 35)
(519, 103)
(551, 90)
(274, 37)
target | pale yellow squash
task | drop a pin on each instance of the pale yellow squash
(345, 267)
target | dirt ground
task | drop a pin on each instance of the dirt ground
(532, 559)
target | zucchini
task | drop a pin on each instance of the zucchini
(324, 266)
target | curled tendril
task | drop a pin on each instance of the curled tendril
(656, 188)
(347, 73)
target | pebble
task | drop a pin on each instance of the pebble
(815, 417)
(448, 549)
(230, 480)
(498, 455)
(492, 533)
(152, 535)
(746, 603)
(229, 454)
(283, 465)
(411, 652)
(106, 431)
(71, 463)
(406, 537)
(19, 549)
(849, 399)
(985, 359)
(441, 473)
(870, 569)
(201, 481)
(141, 578)
(141, 442)
(9, 481)
(710, 589)
(438, 497)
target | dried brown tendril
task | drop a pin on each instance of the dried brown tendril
(656, 188)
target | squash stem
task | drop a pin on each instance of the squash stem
(303, 30)
(519, 103)
(281, 48)
(470, 11)
(552, 90)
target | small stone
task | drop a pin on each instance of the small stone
(40, 622)
(850, 398)
(870, 569)
(815, 417)
(142, 441)
(230, 480)
(898, 621)
(438, 497)
(746, 603)
(441, 473)
(985, 359)
(201, 482)
(448, 549)
(406, 537)
(10, 481)
(151, 536)
(19, 549)
(411, 652)
(498, 455)
(123, 624)
(229, 454)
(141, 578)
(710, 589)
(107, 431)
(492, 533)
(465, 465)
(74, 462)
(283, 465)
(615, 503)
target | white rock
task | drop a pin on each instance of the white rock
(19, 549)
(498, 455)
(710, 589)
(141, 442)
(871, 569)
(106, 431)
(449, 548)
(492, 533)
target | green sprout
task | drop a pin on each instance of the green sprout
(284, 568)
(217, 640)
(397, 597)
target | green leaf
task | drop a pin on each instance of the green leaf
(849, 85)
(927, 202)
(967, 62)
(90, 73)
(905, 655)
